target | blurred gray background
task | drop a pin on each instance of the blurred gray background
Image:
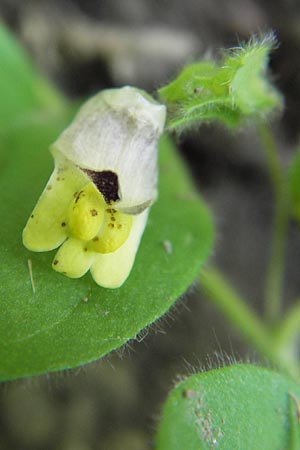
(84, 46)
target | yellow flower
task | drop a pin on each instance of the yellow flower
(96, 202)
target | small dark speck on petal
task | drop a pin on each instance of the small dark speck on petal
(55, 262)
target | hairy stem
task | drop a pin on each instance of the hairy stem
(287, 334)
(243, 319)
(275, 271)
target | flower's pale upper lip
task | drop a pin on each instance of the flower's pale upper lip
(117, 131)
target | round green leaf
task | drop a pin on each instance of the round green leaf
(22, 89)
(68, 322)
(241, 407)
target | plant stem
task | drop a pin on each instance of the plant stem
(272, 157)
(286, 336)
(242, 318)
(275, 271)
(274, 279)
(289, 327)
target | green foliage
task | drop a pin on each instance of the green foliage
(69, 322)
(22, 90)
(241, 407)
(294, 184)
(49, 322)
(231, 91)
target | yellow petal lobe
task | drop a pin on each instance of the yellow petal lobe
(113, 233)
(73, 259)
(110, 270)
(86, 213)
(46, 228)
